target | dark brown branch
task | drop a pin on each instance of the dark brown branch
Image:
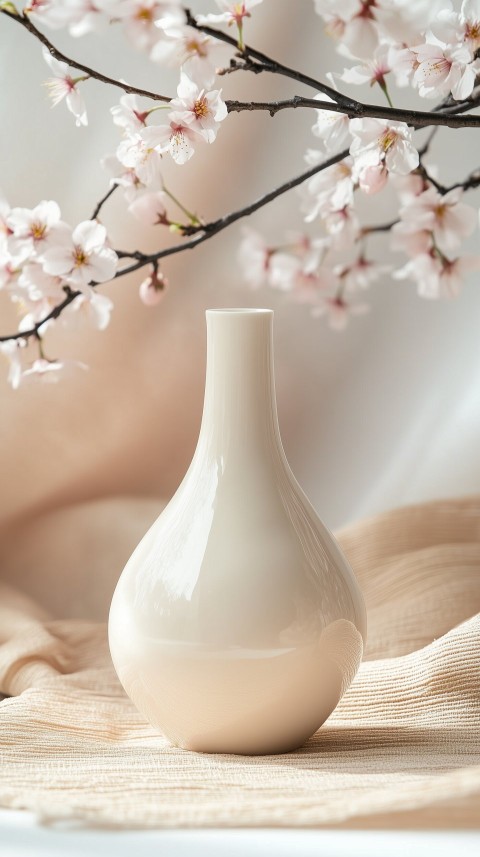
(208, 230)
(265, 63)
(415, 118)
(102, 201)
(25, 21)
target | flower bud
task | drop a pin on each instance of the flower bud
(152, 289)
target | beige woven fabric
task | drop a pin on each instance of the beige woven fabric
(403, 746)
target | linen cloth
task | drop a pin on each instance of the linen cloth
(402, 747)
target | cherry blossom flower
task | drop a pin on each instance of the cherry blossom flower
(177, 138)
(233, 13)
(437, 276)
(141, 19)
(378, 141)
(352, 24)
(254, 257)
(343, 227)
(36, 293)
(129, 115)
(289, 273)
(403, 63)
(82, 256)
(459, 29)
(200, 109)
(198, 54)
(444, 70)
(151, 209)
(372, 71)
(33, 230)
(91, 307)
(360, 274)
(142, 152)
(63, 85)
(5, 230)
(11, 351)
(338, 311)
(50, 371)
(329, 190)
(152, 289)
(331, 128)
(448, 219)
(123, 176)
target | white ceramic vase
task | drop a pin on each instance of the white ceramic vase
(237, 623)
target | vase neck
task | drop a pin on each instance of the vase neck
(240, 411)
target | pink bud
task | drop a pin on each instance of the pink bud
(152, 289)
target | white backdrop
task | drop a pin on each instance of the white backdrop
(385, 414)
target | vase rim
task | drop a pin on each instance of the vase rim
(239, 311)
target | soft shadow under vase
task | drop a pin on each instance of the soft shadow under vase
(237, 623)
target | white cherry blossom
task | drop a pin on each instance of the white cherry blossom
(329, 190)
(338, 310)
(51, 371)
(141, 18)
(233, 13)
(11, 351)
(129, 114)
(254, 256)
(352, 24)
(331, 128)
(124, 176)
(63, 86)
(443, 70)
(32, 230)
(181, 45)
(142, 152)
(372, 70)
(90, 307)
(202, 110)
(151, 208)
(436, 275)
(379, 141)
(447, 218)
(82, 256)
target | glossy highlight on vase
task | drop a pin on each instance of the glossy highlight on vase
(237, 624)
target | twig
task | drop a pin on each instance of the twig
(102, 201)
(208, 230)
(25, 22)
(415, 118)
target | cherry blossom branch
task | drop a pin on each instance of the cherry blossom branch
(265, 63)
(208, 230)
(25, 22)
(415, 118)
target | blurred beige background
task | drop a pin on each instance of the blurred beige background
(385, 414)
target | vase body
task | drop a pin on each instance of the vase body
(237, 623)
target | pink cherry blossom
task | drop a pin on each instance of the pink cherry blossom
(378, 141)
(11, 351)
(200, 109)
(254, 257)
(437, 276)
(63, 85)
(233, 13)
(82, 256)
(152, 289)
(142, 17)
(352, 24)
(289, 273)
(90, 307)
(151, 208)
(181, 45)
(123, 176)
(331, 128)
(36, 293)
(373, 179)
(338, 311)
(129, 114)
(329, 190)
(178, 138)
(445, 216)
(373, 70)
(343, 227)
(33, 230)
(142, 153)
(444, 70)
(51, 371)
(360, 274)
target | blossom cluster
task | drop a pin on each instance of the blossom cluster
(432, 48)
(50, 270)
(42, 259)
